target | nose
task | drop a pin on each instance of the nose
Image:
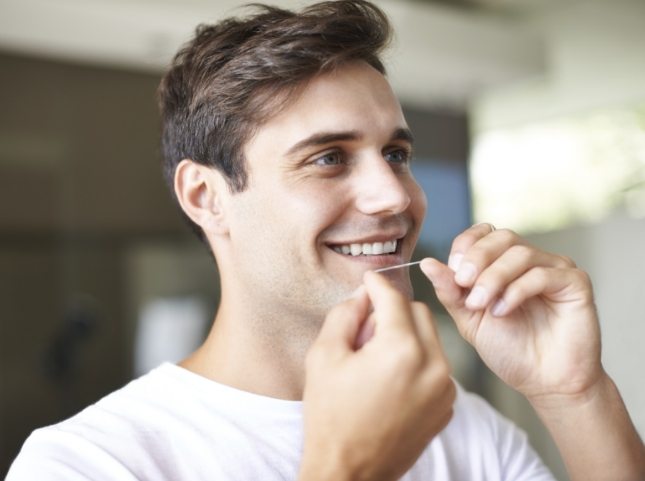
(380, 190)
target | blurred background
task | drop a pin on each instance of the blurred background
(529, 114)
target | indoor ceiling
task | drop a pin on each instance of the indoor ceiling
(445, 51)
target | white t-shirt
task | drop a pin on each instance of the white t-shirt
(172, 424)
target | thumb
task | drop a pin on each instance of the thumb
(452, 296)
(343, 323)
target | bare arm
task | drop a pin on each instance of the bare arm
(594, 433)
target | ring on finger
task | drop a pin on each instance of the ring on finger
(490, 226)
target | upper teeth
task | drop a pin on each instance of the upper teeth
(368, 249)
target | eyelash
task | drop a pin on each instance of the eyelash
(338, 155)
(407, 155)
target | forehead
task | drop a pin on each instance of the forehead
(354, 97)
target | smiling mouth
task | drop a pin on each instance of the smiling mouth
(368, 248)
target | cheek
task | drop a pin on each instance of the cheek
(318, 204)
(290, 218)
(418, 201)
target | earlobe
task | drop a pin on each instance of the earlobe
(199, 190)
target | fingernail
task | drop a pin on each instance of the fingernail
(466, 273)
(454, 261)
(477, 298)
(499, 308)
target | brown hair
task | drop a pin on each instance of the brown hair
(232, 76)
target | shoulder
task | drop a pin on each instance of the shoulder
(100, 441)
(169, 424)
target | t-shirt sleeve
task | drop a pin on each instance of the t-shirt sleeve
(50, 454)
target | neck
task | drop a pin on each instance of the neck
(255, 352)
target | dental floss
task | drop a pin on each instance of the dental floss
(397, 266)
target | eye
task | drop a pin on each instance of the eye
(330, 159)
(398, 156)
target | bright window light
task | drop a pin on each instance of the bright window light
(544, 176)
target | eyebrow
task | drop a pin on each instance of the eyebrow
(403, 134)
(323, 138)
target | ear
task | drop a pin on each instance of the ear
(199, 190)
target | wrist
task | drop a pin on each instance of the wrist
(323, 467)
(596, 392)
(338, 465)
(593, 432)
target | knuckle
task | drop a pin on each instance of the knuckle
(408, 357)
(522, 251)
(464, 240)
(507, 235)
(444, 371)
(567, 261)
(582, 276)
(540, 273)
(511, 294)
(437, 378)
(451, 393)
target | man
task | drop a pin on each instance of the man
(289, 154)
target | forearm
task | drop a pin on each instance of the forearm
(323, 468)
(594, 434)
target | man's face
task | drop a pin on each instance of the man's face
(330, 196)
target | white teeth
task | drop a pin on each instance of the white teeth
(368, 248)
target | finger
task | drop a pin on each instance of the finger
(465, 240)
(365, 333)
(342, 324)
(451, 295)
(425, 326)
(483, 253)
(555, 284)
(392, 310)
(511, 264)
(443, 281)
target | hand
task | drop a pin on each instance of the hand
(529, 314)
(370, 412)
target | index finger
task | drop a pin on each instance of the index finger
(343, 322)
(392, 309)
(465, 241)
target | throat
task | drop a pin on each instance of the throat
(252, 361)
